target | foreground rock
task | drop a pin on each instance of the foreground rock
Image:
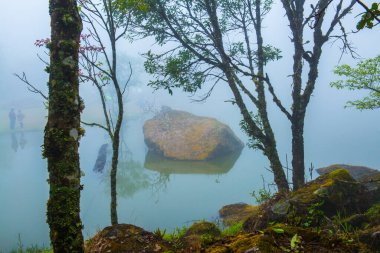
(357, 172)
(235, 213)
(280, 238)
(127, 239)
(367, 177)
(328, 195)
(183, 136)
(330, 214)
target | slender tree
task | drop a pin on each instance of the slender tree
(106, 25)
(62, 131)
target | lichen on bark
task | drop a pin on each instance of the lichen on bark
(60, 148)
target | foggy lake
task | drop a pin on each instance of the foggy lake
(148, 198)
(152, 199)
(153, 193)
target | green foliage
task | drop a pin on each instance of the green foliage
(253, 142)
(365, 76)
(126, 5)
(368, 17)
(179, 71)
(30, 249)
(233, 229)
(314, 215)
(262, 195)
(193, 58)
(278, 230)
(175, 237)
(160, 233)
(341, 225)
(295, 243)
(177, 234)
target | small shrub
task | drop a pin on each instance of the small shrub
(262, 195)
(233, 229)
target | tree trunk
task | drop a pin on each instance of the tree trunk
(62, 131)
(265, 136)
(277, 169)
(298, 162)
(115, 159)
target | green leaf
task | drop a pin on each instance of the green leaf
(285, 249)
(295, 241)
(278, 230)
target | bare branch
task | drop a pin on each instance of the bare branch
(129, 78)
(275, 98)
(94, 124)
(31, 87)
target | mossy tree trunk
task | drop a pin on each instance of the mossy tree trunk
(62, 131)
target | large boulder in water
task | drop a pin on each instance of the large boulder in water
(183, 136)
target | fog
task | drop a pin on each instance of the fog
(333, 134)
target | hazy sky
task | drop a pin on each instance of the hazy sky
(333, 134)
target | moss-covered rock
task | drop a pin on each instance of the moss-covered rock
(128, 239)
(371, 237)
(183, 136)
(356, 172)
(202, 228)
(199, 235)
(235, 213)
(283, 238)
(369, 178)
(332, 193)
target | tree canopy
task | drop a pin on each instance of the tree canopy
(365, 76)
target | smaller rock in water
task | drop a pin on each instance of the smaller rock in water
(357, 172)
(101, 159)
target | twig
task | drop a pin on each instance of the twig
(31, 87)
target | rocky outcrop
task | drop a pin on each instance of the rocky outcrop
(367, 177)
(326, 196)
(329, 214)
(183, 136)
(357, 172)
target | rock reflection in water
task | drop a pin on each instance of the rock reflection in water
(161, 164)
